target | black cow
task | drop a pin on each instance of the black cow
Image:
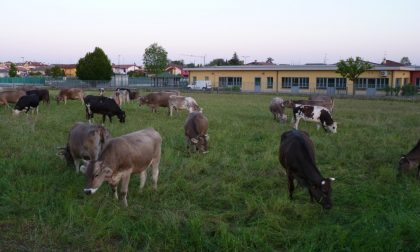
(26, 102)
(104, 106)
(410, 161)
(43, 94)
(297, 156)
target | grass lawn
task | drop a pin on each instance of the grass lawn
(234, 198)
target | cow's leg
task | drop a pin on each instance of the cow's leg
(124, 188)
(110, 118)
(143, 176)
(65, 100)
(77, 164)
(115, 191)
(296, 125)
(37, 110)
(311, 196)
(318, 126)
(103, 119)
(155, 172)
(291, 185)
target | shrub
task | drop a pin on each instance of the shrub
(409, 90)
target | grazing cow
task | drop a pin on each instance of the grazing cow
(70, 94)
(327, 101)
(104, 106)
(196, 136)
(297, 156)
(43, 94)
(410, 161)
(182, 102)
(101, 91)
(26, 103)
(122, 156)
(85, 142)
(134, 95)
(323, 103)
(156, 99)
(123, 95)
(277, 109)
(317, 114)
(7, 97)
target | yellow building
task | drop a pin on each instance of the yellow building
(300, 78)
(69, 69)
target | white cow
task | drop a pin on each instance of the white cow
(182, 102)
(317, 114)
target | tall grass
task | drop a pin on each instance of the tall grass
(234, 198)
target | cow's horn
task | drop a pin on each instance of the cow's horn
(332, 179)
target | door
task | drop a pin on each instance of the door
(331, 86)
(257, 84)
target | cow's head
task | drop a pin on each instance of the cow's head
(330, 128)
(288, 104)
(201, 143)
(121, 116)
(16, 112)
(96, 172)
(103, 133)
(59, 98)
(143, 100)
(405, 164)
(322, 192)
(64, 154)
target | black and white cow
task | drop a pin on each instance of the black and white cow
(317, 114)
(26, 103)
(104, 106)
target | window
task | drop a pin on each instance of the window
(418, 82)
(301, 82)
(338, 83)
(194, 79)
(206, 78)
(405, 81)
(270, 81)
(377, 83)
(230, 81)
(398, 82)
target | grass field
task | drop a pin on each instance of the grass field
(232, 199)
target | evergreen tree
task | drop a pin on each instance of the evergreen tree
(94, 66)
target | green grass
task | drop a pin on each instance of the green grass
(232, 199)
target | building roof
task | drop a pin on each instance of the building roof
(386, 62)
(66, 66)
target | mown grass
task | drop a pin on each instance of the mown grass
(232, 199)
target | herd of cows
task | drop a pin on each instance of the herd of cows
(103, 158)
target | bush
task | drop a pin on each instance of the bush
(388, 90)
(397, 90)
(409, 90)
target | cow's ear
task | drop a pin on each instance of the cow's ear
(108, 171)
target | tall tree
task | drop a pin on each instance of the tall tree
(94, 66)
(352, 69)
(406, 61)
(12, 70)
(218, 62)
(155, 59)
(234, 61)
(269, 60)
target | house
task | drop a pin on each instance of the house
(4, 72)
(312, 78)
(69, 69)
(124, 69)
(176, 70)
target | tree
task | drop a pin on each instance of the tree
(269, 60)
(352, 69)
(12, 70)
(54, 71)
(405, 61)
(190, 65)
(94, 66)
(234, 61)
(218, 62)
(177, 62)
(155, 59)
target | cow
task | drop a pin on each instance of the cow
(85, 142)
(101, 91)
(195, 128)
(326, 101)
(182, 102)
(277, 109)
(134, 95)
(70, 94)
(317, 114)
(104, 106)
(43, 94)
(323, 103)
(26, 103)
(410, 161)
(123, 95)
(297, 156)
(156, 99)
(13, 96)
(122, 156)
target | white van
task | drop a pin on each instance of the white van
(200, 85)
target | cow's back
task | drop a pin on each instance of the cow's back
(11, 96)
(296, 151)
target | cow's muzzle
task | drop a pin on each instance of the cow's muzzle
(90, 191)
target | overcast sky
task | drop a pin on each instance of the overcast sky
(289, 31)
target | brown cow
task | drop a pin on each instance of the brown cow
(196, 127)
(85, 142)
(70, 94)
(297, 156)
(277, 109)
(11, 96)
(156, 99)
(181, 102)
(410, 161)
(122, 156)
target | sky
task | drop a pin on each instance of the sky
(289, 31)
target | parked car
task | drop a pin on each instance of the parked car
(200, 85)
